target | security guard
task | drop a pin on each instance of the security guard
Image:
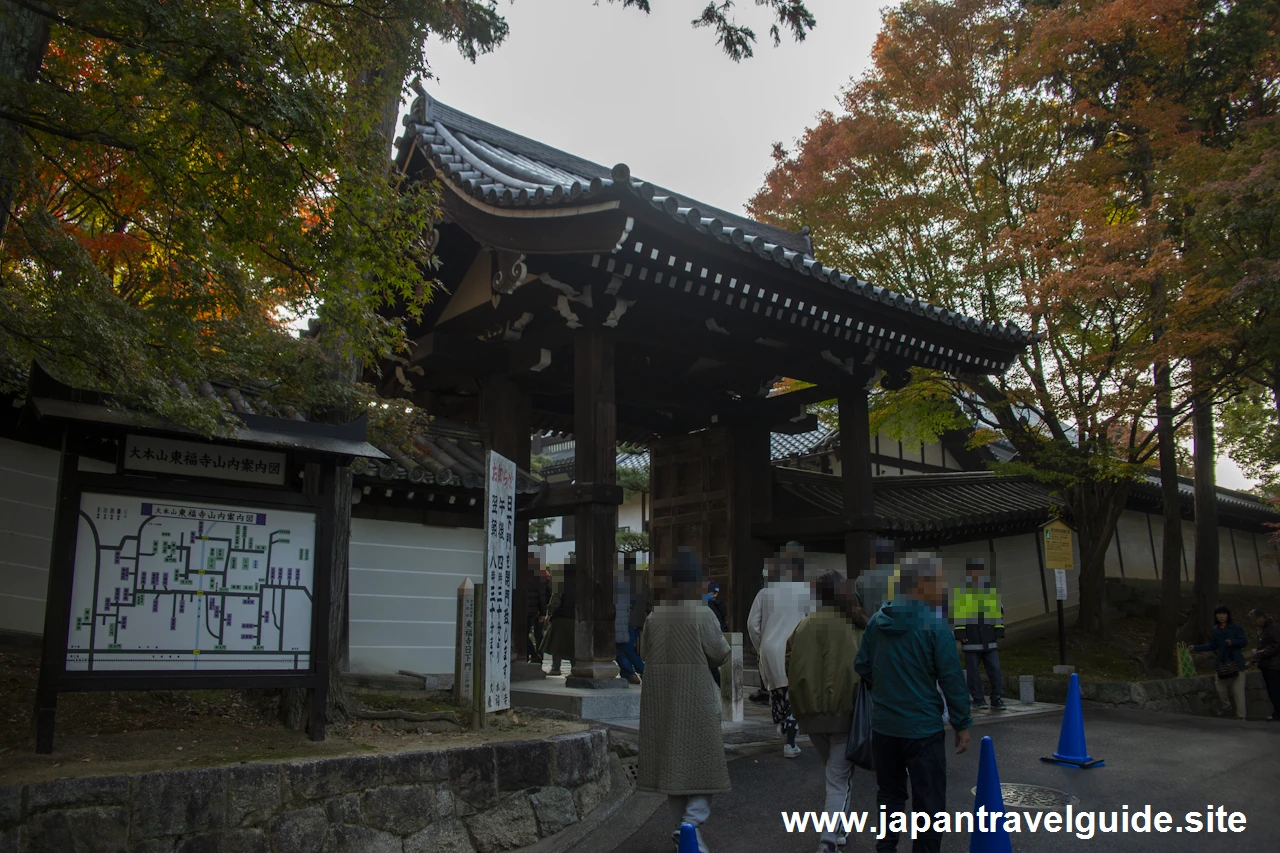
(978, 616)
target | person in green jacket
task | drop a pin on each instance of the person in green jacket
(822, 681)
(908, 654)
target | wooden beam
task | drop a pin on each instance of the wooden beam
(595, 430)
(750, 502)
(565, 498)
(505, 414)
(809, 528)
(855, 474)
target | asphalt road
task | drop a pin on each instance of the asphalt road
(1174, 763)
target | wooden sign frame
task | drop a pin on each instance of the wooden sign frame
(55, 678)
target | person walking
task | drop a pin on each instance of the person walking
(822, 682)
(681, 745)
(907, 654)
(1267, 658)
(977, 612)
(630, 665)
(538, 597)
(775, 613)
(1226, 639)
(562, 611)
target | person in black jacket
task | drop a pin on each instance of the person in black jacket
(1267, 658)
(1226, 639)
(717, 607)
(559, 639)
(538, 596)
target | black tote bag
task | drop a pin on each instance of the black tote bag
(858, 749)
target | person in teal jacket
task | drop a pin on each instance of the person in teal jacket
(908, 654)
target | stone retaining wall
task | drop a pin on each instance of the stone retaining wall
(481, 799)
(1174, 695)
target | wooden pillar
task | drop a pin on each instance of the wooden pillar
(506, 412)
(855, 476)
(750, 501)
(595, 432)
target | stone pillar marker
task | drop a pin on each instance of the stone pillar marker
(731, 681)
(464, 650)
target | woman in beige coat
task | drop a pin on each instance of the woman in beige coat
(681, 747)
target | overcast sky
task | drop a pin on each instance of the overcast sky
(614, 85)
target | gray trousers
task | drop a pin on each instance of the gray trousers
(693, 809)
(838, 774)
(991, 661)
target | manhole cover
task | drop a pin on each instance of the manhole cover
(1020, 796)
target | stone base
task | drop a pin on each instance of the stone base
(594, 669)
(596, 683)
(583, 703)
(523, 671)
(1063, 669)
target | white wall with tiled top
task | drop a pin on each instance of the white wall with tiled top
(404, 582)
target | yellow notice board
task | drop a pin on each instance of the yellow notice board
(1057, 546)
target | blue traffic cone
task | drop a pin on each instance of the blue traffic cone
(1071, 748)
(996, 838)
(688, 839)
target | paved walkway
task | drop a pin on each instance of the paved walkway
(1174, 763)
(757, 728)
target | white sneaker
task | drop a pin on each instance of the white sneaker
(842, 840)
(789, 751)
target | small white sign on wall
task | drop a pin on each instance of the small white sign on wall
(1060, 582)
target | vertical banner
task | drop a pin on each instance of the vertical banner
(499, 556)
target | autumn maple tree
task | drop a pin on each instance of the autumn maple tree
(1042, 164)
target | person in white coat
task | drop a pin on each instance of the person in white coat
(775, 613)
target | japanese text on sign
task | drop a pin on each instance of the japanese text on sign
(169, 456)
(499, 555)
(1057, 546)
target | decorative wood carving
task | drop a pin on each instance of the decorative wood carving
(509, 271)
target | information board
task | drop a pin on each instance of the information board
(499, 555)
(1058, 553)
(163, 584)
(193, 459)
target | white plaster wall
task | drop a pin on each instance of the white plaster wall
(30, 476)
(1135, 545)
(1018, 574)
(404, 581)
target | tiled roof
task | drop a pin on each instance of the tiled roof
(504, 169)
(925, 505)
(448, 454)
(783, 445)
(1231, 504)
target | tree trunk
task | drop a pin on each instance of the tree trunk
(1161, 653)
(1196, 629)
(24, 38)
(1095, 510)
